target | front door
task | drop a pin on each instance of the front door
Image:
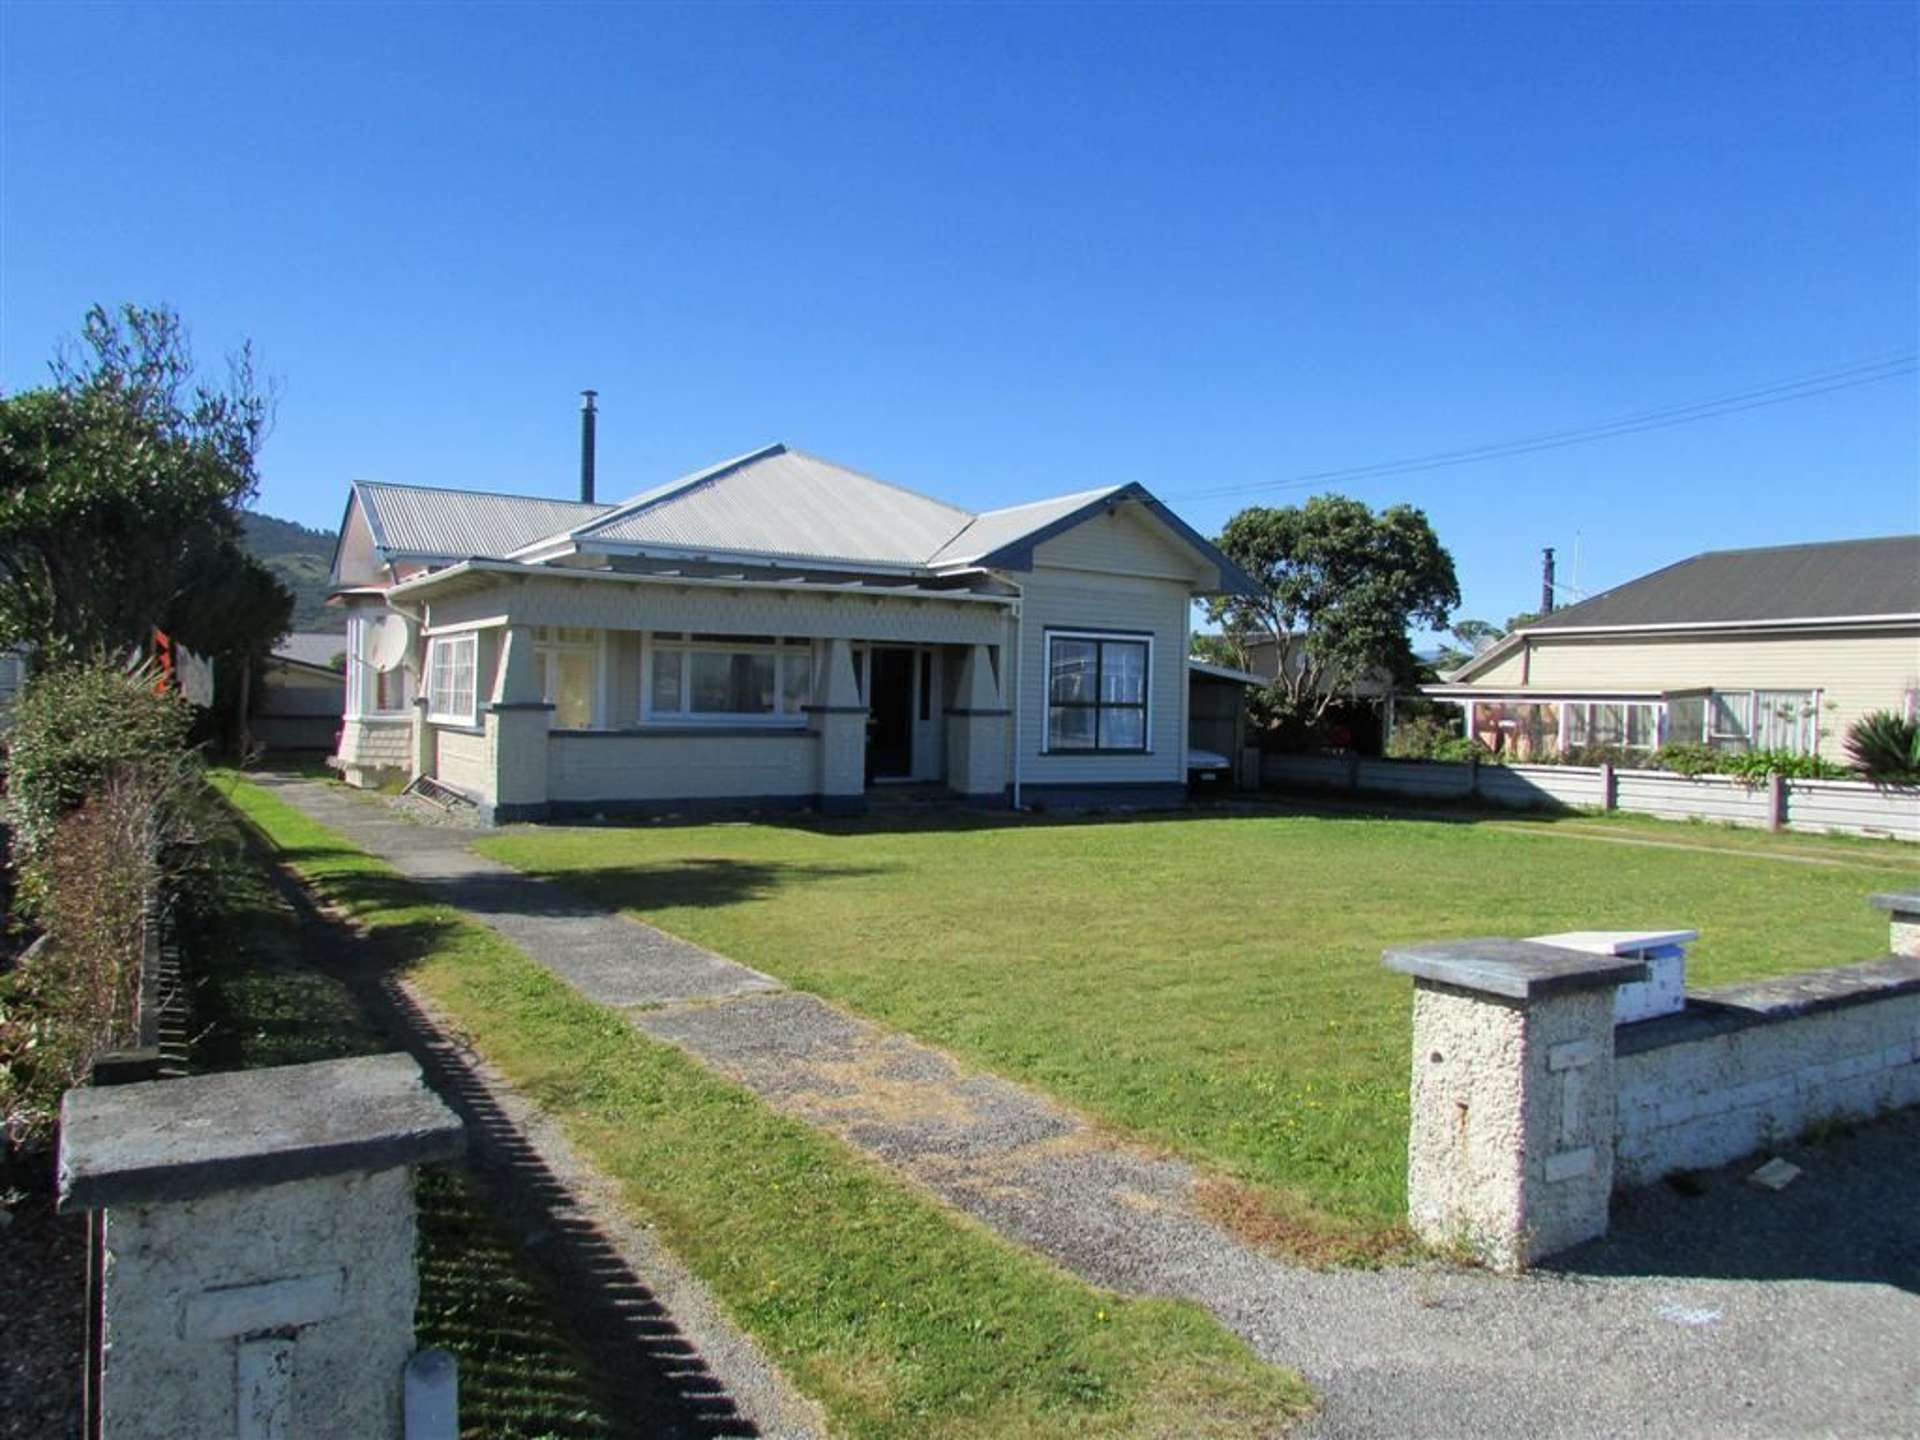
(890, 715)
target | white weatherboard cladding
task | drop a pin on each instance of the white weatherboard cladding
(462, 760)
(618, 605)
(682, 767)
(1122, 541)
(1084, 600)
(355, 563)
(1855, 673)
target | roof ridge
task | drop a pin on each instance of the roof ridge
(669, 490)
(1812, 545)
(484, 494)
(1054, 499)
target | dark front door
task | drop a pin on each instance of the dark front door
(890, 715)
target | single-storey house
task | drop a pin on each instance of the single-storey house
(774, 630)
(1780, 648)
(298, 699)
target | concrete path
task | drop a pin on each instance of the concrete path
(1807, 1331)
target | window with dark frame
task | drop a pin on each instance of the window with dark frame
(1096, 694)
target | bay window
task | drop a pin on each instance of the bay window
(1097, 691)
(718, 677)
(451, 662)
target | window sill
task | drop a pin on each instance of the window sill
(1109, 754)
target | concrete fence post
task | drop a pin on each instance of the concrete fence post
(1473, 777)
(259, 1237)
(1606, 785)
(1510, 1148)
(1903, 920)
(1353, 772)
(1776, 801)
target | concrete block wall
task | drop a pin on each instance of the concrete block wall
(1530, 1103)
(1691, 1100)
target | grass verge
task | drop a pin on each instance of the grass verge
(898, 1316)
(262, 995)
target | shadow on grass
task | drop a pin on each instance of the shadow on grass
(1851, 1217)
(652, 1380)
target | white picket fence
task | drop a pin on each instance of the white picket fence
(1846, 807)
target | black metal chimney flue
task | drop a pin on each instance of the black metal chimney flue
(1546, 575)
(587, 414)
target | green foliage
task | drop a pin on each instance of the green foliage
(74, 728)
(1339, 587)
(1684, 758)
(1755, 766)
(1885, 746)
(1421, 738)
(74, 994)
(300, 559)
(114, 478)
(1223, 649)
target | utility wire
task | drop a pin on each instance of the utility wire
(1819, 382)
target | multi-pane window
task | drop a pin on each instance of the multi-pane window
(1632, 725)
(450, 679)
(708, 677)
(568, 660)
(370, 691)
(1096, 692)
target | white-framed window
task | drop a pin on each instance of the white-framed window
(568, 659)
(706, 679)
(1099, 689)
(1632, 725)
(451, 663)
(1786, 720)
(371, 692)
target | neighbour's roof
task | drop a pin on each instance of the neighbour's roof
(1851, 579)
(311, 647)
(420, 520)
(1197, 666)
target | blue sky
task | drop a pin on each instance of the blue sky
(1000, 252)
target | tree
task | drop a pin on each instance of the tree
(1225, 649)
(1470, 638)
(1339, 587)
(120, 484)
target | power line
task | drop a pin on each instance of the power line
(1819, 382)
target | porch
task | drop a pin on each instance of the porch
(536, 719)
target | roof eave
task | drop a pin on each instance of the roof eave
(1018, 554)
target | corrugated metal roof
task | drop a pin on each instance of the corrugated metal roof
(995, 529)
(1783, 582)
(784, 502)
(458, 523)
(311, 647)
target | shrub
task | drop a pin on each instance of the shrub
(1754, 766)
(1884, 746)
(75, 994)
(75, 728)
(1421, 738)
(1684, 758)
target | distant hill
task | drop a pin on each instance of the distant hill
(300, 557)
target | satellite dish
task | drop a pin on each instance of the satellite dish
(389, 642)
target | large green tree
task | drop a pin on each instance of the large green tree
(121, 488)
(1339, 587)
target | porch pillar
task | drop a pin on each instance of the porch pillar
(518, 719)
(839, 721)
(977, 731)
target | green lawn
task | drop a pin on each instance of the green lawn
(1210, 982)
(900, 1317)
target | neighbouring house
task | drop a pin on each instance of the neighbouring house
(776, 630)
(298, 699)
(1218, 733)
(1781, 648)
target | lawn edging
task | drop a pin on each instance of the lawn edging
(896, 1314)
